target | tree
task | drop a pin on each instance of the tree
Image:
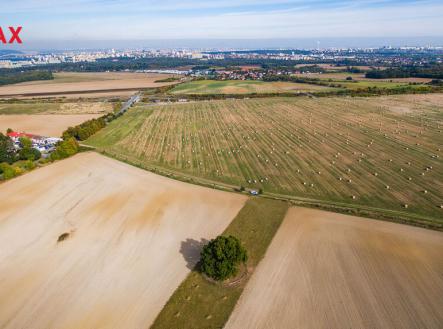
(221, 257)
(7, 152)
(65, 149)
(29, 153)
(25, 142)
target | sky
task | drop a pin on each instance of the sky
(60, 21)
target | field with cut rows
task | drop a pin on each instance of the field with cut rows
(383, 152)
(326, 270)
(202, 87)
(90, 242)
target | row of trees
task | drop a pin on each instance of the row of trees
(66, 148)
(431, 72)
(84, 130)
(7, 78)
(88, 128)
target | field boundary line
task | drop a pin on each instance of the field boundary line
(338, 207)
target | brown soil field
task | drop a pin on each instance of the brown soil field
(326, 270)
(130, 243)
(43, 124)
(85, 84)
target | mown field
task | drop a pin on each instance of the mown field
(326, 270)
(198, 303)
(383, 152)
(202, 87)
(37, 107)
(128, 246)
(91, 85)
(360, 82)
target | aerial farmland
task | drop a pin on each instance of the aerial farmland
(91, 242)
(380, 152)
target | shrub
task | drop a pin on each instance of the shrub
(29, 165)
(65, 149)
(29, 154)
(221, 257)
(7, 152)
(25, 142)
(7, 170)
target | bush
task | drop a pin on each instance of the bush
(7, 170)
(7, 152)
(29, 165)
(65, 149)
(29, 154)
(221, 257)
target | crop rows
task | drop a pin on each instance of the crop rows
(351, 150)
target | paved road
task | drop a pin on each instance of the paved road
(129, 103)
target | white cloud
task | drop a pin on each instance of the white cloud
(345, 19)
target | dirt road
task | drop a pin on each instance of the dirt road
(130, 243)
(326, 270)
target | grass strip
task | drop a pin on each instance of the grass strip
(198, 303)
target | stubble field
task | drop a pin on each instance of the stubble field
(128, 243)
(74, 84)
(42, 107)
(325, 270)
(51, 125)
(202, 87)
(383, 152)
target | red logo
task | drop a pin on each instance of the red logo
(14, 35)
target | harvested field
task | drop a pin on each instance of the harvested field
(43, 124)
(358, 151)
(360, 81)
(202, 87)
(37, 107)
(90, 242)
(325, 270)
(85, 84)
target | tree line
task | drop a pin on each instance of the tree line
(7, 78)
(431, 72)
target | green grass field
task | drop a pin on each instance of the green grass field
(197, 303)
(202, 87)
(382, 152)
(360, 82)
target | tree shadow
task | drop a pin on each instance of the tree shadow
(190, 249)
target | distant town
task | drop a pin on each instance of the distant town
(385, 56)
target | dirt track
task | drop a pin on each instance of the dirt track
(326, 270)
(130, 233)
(43, 124)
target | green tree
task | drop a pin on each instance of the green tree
(221, 256)
(25, 142)
(7, 151)
(64, 149)
(29, 153)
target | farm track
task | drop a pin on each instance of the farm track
(344, 150)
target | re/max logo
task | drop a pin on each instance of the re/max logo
(14, 35)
